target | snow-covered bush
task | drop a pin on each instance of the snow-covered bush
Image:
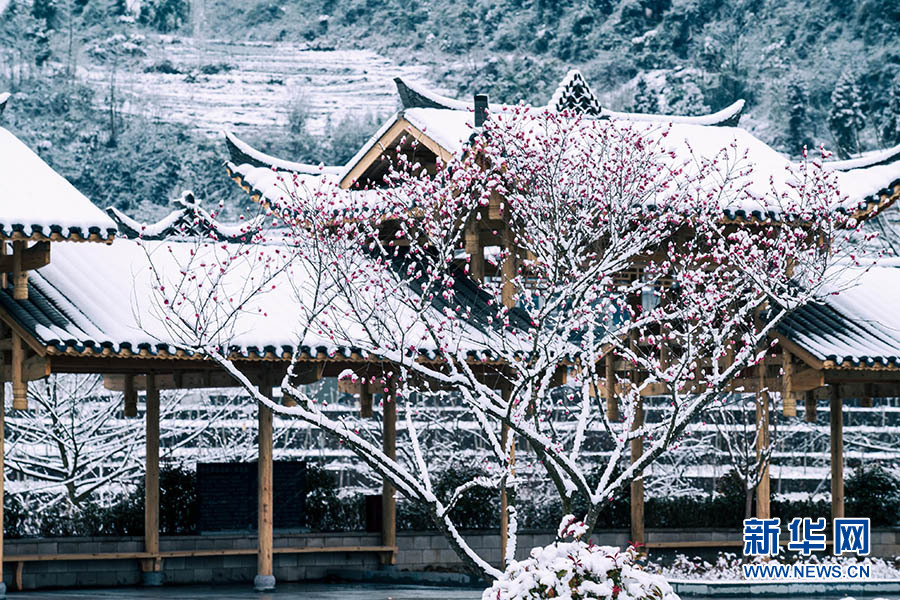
(578, 570)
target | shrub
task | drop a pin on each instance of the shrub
(216, 68)
(874, 492)
(478, 508)
(325, 509)
(164, 66)
(165, 15)
(578, 571)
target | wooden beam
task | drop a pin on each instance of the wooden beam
(152, 568)
(799, 352)
(389, 447)
(19, 384)
(866, 400)
(837, 453)
(789, 402)
(33, 368)
(27, 337)
(265, 577)
(32, 258)
(810, 405)
(130, 395)
(401, 128)
(181, 380)
(763, 490)
(305, 373)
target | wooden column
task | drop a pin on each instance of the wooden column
(637, 485)
(837, 453)
(789, 401)
(265, 577)
(3, 252)
(19, 385)
(20, 275)
(809, 400)
(129, 397)
(612, 405)
(475, 251)
(152, 567)
(763, 490)
(388, 501)
(365, 401)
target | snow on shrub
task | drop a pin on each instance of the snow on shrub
(576, 570)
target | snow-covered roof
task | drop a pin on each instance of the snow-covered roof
(866, 159)
(118, 314)
(190, 220)
(38, 203)
(242, 153)
(869, 184)
(572, 94)
(858, 327)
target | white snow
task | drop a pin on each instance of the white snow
(37, 197)
(863, 160)
(865, 182)
(711, 119)
(117, 302)
(869, 298)
(277, 162)
(257, 94)
(578, 571)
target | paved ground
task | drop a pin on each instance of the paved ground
(283, 592)
(288, 592)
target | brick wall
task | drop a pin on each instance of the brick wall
(417, 551)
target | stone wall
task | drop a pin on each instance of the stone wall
(417, 551)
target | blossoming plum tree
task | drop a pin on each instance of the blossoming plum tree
(626, 270)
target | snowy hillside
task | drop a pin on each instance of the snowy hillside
(250, 86)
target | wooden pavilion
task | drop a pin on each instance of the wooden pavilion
(846, 349)
(53, 323)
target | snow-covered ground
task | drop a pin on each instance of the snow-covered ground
(256, 90)
(728, 567)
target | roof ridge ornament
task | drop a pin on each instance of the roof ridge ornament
(573, 94)
(189, 220)
(4, 98)
(411, 97)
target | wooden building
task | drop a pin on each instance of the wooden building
(847, 349)
(76, 308)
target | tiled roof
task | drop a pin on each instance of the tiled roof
(857, 328)
(115, 314)
(38, 203)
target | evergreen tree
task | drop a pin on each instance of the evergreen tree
(689, 100)
(797, 100)
(890, 118)
(46, 11)
(645, 99)
(118, 8)
(845, 117)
